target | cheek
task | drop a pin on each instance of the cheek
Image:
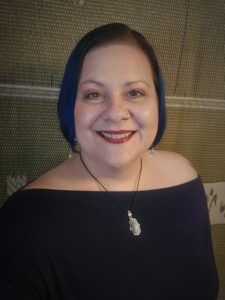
(148, 119)
(78, 115)
(83, 117)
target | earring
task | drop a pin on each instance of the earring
(71, 153)
(76, 146)
(152, 152)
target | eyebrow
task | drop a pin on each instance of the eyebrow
(138, 81)
(126, 84)
(91, 81)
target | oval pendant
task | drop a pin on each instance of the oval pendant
(135, 226)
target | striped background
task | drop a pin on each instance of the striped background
(36, 39)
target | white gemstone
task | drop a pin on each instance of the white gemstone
(135, 226)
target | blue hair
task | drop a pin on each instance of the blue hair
(100, 36)
(162, 111)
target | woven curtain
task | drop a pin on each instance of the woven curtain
(189, 39)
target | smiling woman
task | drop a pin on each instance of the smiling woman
(117, 207)
(116, 108)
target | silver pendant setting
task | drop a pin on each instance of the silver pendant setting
(135, 226)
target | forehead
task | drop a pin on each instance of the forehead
(122, 58)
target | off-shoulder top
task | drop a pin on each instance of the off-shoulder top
(57, 244)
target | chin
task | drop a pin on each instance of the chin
(118, 161)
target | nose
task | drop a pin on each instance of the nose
(116, 110)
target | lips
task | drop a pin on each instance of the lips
(116, 137)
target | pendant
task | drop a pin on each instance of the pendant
(134, 225)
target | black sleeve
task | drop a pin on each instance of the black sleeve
(20, 277)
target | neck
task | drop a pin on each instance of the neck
(113, 179)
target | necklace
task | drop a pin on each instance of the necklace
(134, 224)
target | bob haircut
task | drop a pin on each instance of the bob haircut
(101, 36)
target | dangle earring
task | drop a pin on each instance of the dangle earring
(76, 145)
(70, 153)
(152, 152)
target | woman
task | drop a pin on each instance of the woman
(117, 220)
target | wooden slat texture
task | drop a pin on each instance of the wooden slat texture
(189, 38)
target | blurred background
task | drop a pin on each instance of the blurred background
(37, 37)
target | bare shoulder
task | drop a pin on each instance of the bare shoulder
(174, 168)
(60, 177)
(47, 180)
(176, 160)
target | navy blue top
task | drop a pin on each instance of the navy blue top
(77, 245)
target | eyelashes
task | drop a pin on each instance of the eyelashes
(134, 93)
(93, 95)
(131, 94)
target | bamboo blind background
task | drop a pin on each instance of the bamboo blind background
(189, 38)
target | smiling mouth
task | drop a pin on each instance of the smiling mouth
(116, 137)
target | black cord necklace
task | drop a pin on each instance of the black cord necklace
(134, 224)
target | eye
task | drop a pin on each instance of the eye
(135, 93)
(93, 95)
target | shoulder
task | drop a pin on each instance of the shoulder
(46, 180)
(177, 166)
(62, 177)
(21, 204)
(18, 213)
(177, 163)
(171, 169)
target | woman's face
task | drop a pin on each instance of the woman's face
(116, 110)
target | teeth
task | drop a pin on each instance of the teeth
(116, 136)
